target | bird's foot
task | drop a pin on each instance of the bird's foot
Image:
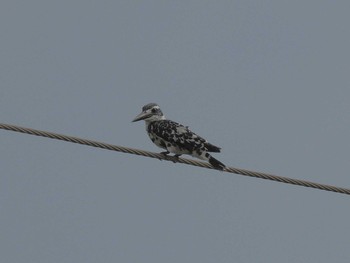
(173, 158)
(176, 157)
(165, 154)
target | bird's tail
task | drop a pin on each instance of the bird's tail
(216, 163)
(212, 148)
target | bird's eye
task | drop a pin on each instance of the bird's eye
(154, 110)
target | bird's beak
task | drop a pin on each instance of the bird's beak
(141, 116)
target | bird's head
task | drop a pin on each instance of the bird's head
(150, 112)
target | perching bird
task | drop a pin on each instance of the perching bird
(174, 137)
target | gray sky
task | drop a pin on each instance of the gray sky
(268, 81)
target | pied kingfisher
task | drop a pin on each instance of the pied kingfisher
(174, 137)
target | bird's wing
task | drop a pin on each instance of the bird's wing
(182, 136)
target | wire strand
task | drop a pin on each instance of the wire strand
(159, 156)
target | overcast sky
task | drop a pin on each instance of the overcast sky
(268, 81)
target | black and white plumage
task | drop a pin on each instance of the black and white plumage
(174, 137)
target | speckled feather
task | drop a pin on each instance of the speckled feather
(167, 133)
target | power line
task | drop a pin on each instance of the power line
(173, 159)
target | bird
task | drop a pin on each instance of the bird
(176, 138)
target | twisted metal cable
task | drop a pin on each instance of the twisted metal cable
(173, 159)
